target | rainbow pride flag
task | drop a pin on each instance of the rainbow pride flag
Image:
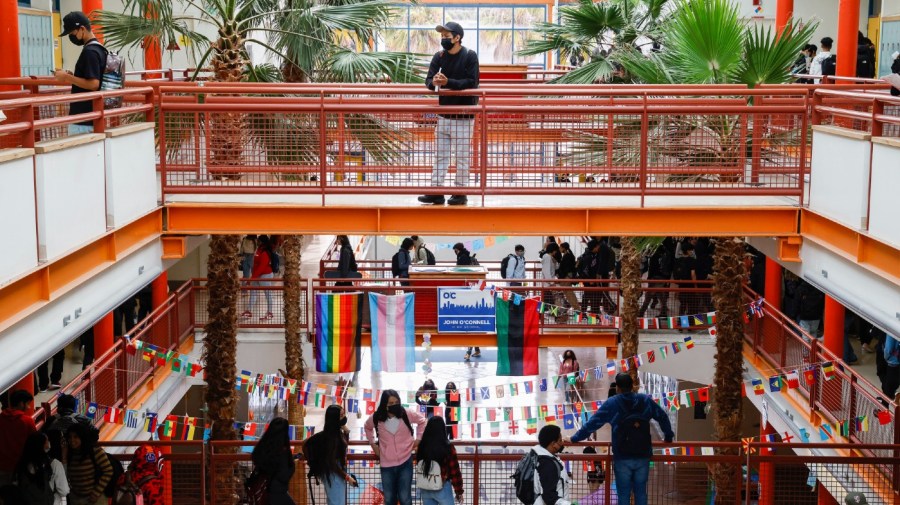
(338, 328)
(393, 332)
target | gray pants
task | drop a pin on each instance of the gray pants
(455, 135)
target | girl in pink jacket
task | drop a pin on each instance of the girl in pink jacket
(398, 432)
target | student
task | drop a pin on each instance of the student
(347, 261)
(15, 426)
(452, 402)
(272, 457)
(570, 365)
(422, 256)
(326, 455)
(65, 416)
(427, 396)
(515, 266)
(823, 63)
(263, 268)
(436, 459)
(248, 249)
(41, 479)
(88, 69)
(551, 483)
(87, 466)
(146, 472)
(629, 415)
(463, 256)
(391, 434)
(566, 270)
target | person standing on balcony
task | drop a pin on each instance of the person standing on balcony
(438, 466)
(401, 260)
(391, 434)
(265, 263)
(87, 466)
(812, 305)
(346, 262)
(88, 68)
(890, 381)
(248, 249)
(15, 426)
(326, 457)
(825, 62)
(515, 266)
(454, 68)
(273, 458)
(58, 426)
(629, 415)
(423, 255)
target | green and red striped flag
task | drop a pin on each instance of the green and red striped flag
(517, 337)
(338, 329)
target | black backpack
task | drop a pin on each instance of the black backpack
(395, 264)
(313, 449)
(429, 257)
(583, 266)
(118, 471)
(504, 264)
(633, 434)
(829, 65)
(524, 478)
(474, 261)
(664, 263)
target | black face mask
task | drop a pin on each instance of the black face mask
(343, 421)
(895, 67)
(75, 40)
(447, 44)
(396, 410)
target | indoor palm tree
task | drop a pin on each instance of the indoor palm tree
(596, 32)
(728, 282)
(633, 248)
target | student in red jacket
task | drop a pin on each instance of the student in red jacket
(15, 427)
(262, 269)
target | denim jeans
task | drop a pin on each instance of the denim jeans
(631, 476)
(247, 265)
(76, 129)
(335, 490)
(254, 293)
(442, 497)
(396, 482)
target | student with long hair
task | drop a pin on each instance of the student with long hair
(396, 439)
(87, 466)
(146, 472)
(41, 480)
(427, 396)
(437, 459)
(262, 269)
(272, 458)
(452, 402)
(570, 365)
(326, 455)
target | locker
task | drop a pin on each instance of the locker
(36, 44)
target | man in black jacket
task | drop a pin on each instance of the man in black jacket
(454, 68)
(88, 68)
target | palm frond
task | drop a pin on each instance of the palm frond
(384, 142)
(649, 69)
(598, 70)
(265, 72)
(593, 20)
(704, 41)
(768, 57)
(343, 65)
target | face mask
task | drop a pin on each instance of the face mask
(895, 67)
(447, 44)
(75, 40)
(343, 421)
(396, 410)
(47, 448)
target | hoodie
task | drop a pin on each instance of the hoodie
(15, 426)
(551, 484)
(815, 67)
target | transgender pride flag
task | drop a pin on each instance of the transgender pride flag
(393, 332)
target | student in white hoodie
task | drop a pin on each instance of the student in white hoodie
(552, 482)
(815, 68)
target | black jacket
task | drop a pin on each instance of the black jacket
(462, 72)
(347, 262)
(566, 266)
(464, 257)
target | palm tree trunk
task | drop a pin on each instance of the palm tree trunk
(220, 353)
(631, 294)
(293, 345)
(728, 264)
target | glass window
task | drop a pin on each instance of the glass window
(421, 16)
(496, 46)
(465, 16)
(425, 41)
(395, 40)
(520, 37)
(528, 17)
(495, 17)
(399, 17)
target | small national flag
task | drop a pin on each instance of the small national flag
(684, 322)
(884, 417)
(531, 426)
(250, 429)
(664, 351)
(745, 444)
(863, 423)
(113, 415)
(804, 436)
(810, 376)
(485, 393)
(758, 386)
(703, 394)
(190, 425)
(713, 332)
(542, 385)
(150, 422)
(710, 318)
(687, 398)
(370, 407)
(499, 391)
(611, 368)
(169, 426)
(91, 410)
(828, 370)
(569, 421)
(651, 356)
(676, 347)
(623, 364)
(825, 432)
(638, 361)
(688, 343)
(513, 389)
(529, 387)
(771, 437)
(775, 384)
(793, 380)
(131, 418)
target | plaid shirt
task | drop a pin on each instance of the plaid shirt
(450, 471)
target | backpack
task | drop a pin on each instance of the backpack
(429, 257)
(829, 65)
(313, 450)
(583, 266)
(257, 488)
(274, 262)
(33, 492)
(664, 264)
(524, 477)
(504, 264)
(474, 261)
(430, 481)
(395, 264)
(633, 434)
(113, 77)
(130, 493)
(118, 470)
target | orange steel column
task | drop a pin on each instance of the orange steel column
(152, 50)
(834, 326)
(770, 326)
(89, 6)
(103, 335)
(784, 10)
(766, 470)
(159, 290)
(848, 28)
(10, 64)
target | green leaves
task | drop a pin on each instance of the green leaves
(767, 58)
(704, 41)
(343, 65)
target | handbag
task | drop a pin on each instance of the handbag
(432, 480)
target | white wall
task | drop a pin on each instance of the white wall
(890, 8)
(33, 340)
(823, 11)
(839, 186)
(71, 204)
(130, 174)
(20, 224)
(885, 209)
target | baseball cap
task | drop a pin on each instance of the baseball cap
(451, 27)
(855, 498)
(73, 21)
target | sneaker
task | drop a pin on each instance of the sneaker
(54, 386)
(267, 317)
(466, 357)
(247, 314)
(477, 354)
(434, 199)
(456, 200)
